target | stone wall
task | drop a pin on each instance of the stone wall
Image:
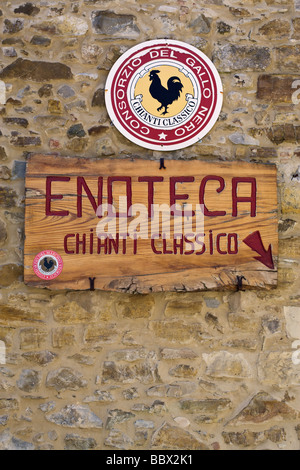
(94, 370)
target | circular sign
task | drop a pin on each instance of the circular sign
(164, 95)
(48, 265)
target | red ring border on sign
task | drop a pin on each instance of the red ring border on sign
(44, 254)
(150, 140)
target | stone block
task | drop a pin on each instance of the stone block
(29, 380)
(263, 408)
(37, 71)
(65, 378)
(275, 88)
(169, 437)
(276, 29)
(115, 25)
(183, 308)
(226, 365)
(76, 416)
(71, 313)
(32, 338)
(287, 58)
(136, 306)
(145, 372)
(232, 58)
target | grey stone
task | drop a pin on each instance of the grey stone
(65, 379)
(211, 302)
(9, 52)
(47, 407)
(201, 25)
(143, 424)
(111, 24)
(128, 355)
(100, 396)
(119, 440)
(41, 358)
(130, 393)
(229, 58)
(117, 416)
(9, 442)
(76, 131)
(14, 26)
(242, 139)
(78, 104)
(29, 380)
(66, 91)
(76, 416)
(40, 41)
(3, 420)
(19, 170)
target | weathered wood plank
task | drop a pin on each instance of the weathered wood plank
(147, 265)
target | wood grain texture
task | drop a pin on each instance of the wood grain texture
(146, 271)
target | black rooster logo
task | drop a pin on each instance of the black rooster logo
(48, 265)
(163, 95)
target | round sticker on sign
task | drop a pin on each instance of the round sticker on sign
(48, 265)
(164, 95)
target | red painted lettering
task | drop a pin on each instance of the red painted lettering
(236, 199)
(67, 250)
(50, 196)
(81, 183)
(127, 180)
(207, 212)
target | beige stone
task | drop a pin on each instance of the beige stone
(175, 438)
(136, 306)
(62, 337)
(263, 407)
(292, 318)
(95, 334)
(71, 313)
(176, 331)
(179, 308)
(227, 365)
(278, 367)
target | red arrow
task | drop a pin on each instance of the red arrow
(254, 241)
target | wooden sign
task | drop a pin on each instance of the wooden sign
(137, 226)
